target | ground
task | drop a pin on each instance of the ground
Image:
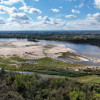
(40, 58)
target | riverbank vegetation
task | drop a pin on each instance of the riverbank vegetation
(71, 56)
(46, 66)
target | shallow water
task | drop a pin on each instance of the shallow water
(12, 39)
(28, 61)
(84, 49)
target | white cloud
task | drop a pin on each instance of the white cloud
(12, 10)
(60, 7)
(39, 17)
(97, 3)
(47, 20)
(75, 11)
(35, 11)
(80, 6)
(30, 10)
(10, 2)
(58, 20)
(36, 0)
(24, 8)
(70, 16)
(91, 22)
(21, 18)
(55, 10)
(2, 21)
(95, 17)
(4, 9)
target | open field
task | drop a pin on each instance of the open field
(89, 79)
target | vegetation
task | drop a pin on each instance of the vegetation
(35, 87)
(70, 55)
(95, 79)
(88, 37)
(45, 66)
(52, 79)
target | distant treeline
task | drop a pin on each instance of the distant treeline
(87, 37)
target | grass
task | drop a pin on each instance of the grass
(89, 79)
(44, 65)
(70, 55)
(8, 60)
(48, 62)
(94, 80)
(41, 63)
(61, 72)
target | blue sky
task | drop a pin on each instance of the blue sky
(49, 14)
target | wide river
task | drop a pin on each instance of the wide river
(84, 49)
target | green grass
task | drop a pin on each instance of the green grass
(70, 55)
(8, 67)
(41, 63)
(89, 79)
(61, 72)
(94, 80)
(48, 62)
(44, 66)
(8, 60)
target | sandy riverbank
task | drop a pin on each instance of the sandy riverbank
(29, 50)
(33, 50)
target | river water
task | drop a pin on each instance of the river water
(83, 49)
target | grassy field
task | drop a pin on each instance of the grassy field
(89, 79)
(40, 63)
(44, 66)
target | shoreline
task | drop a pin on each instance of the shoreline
(35, 50)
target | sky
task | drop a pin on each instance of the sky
(49, 15)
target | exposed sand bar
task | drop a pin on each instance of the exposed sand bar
(33, 50)
(29, 50)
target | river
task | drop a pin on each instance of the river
(83, 49)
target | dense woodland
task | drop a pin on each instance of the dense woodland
(88, 37)
(34, 87)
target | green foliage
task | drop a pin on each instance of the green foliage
(36, 87)
(45, 66)
(73, 95)
(88, 37)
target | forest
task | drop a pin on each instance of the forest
(81, 37)
(14, 86)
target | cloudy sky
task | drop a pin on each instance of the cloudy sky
(49, 15)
